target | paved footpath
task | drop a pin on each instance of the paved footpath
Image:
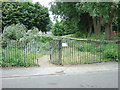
(68, 69)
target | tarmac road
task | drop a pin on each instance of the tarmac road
(93, 76)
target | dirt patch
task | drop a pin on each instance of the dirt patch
(44, 62)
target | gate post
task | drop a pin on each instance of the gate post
(60, 51)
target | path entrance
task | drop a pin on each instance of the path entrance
(44, 61)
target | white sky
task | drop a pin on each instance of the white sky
(45, 3)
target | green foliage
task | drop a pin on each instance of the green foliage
(44, 39)
(78, 34)
(92, 36)
(98, 37)
(60, 29)
(49, 26)
(99, 9)
(81, 14)
(111, 51)
(31, 35)
(27, 13)
(107, 50)
(14, 32)
(110, 54)
(44, 48)
(70, 14)
(118, 34)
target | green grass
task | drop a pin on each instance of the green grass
(92, 36)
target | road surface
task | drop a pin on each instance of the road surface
(77, 79)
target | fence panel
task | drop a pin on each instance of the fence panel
(84, 51)
(18, 53)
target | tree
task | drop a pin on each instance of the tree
(61, 28)
(104, 11)
(26, 13)
(49, 26)
(0, 17)
(69, 12)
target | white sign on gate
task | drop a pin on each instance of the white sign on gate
(64, 44)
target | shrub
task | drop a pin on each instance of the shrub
(111, 51)
(119, 34)
(110, 54)
(44, 39)
(31, 35)
(107, 50)
(14, 32)
(78, 34)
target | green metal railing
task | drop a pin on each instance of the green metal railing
(66, 51)
(16, 53)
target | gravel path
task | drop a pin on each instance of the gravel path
(44, 61)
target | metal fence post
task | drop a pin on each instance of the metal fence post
(119, 49)
(37, 50)
(50, 50)
(60, 51)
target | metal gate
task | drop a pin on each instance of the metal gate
(56, 52)
(67, 51)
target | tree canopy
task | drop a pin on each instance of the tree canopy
(95, 13)
(27, 13)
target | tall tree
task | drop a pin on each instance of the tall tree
(25, 12)
(101, 12)
(68, 11)
(104, 11)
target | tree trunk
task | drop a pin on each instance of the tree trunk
(97, 26)
(111, 30)
(90, 30)
(107, 32)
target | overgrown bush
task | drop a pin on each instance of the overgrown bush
(107, 50)
(14, 32)
(111, 51)
(31, 35)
